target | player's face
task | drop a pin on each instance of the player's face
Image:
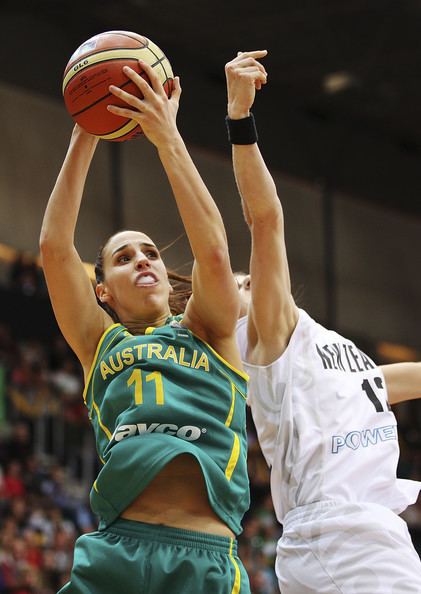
(135, 277)
(243, 282)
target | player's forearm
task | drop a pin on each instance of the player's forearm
(403, 381)
(199, 213)
(255, 184)
(61, 214)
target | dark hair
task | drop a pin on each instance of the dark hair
(182, 290)
(181, 284)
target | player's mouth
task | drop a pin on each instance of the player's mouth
(146, 279)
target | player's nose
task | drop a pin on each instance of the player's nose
(142, 261)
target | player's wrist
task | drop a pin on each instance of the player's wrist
(242, 130)
(172, 148)
(237, 112)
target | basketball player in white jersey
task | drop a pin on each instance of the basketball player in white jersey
(321, 407)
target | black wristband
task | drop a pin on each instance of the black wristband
(242, 131)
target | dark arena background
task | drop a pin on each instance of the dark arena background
(340, 128)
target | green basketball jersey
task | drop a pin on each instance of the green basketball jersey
(155, 396)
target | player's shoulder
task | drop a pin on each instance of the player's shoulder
(271, 343)
(264, 351)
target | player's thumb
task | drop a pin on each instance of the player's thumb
(176, 90)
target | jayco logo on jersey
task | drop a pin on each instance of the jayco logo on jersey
(367, 437)
(187, 432)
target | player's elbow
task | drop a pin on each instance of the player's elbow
(47, 243)
(218, 258)
(270, 219)
(52, 246)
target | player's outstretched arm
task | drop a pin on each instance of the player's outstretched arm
(213, 282)
(273, 314)
(403, 381)
(78, 315)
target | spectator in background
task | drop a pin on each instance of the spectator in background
(13, 483)
(8, 346)
(16, 443)
(25, 275)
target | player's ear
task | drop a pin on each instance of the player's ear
(103, 293)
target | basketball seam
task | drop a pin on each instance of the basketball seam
(98, 101)
(119, 128)
(159, 61)
(130, 37)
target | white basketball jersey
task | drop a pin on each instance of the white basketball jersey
(324, 424)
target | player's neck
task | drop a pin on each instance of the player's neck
(137, 327)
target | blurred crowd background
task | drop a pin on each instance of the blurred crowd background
(48, 460)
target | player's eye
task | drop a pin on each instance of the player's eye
(123, 258)
(152, 254)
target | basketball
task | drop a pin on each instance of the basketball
(97, 64)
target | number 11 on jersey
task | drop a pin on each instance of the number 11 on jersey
(137, 379)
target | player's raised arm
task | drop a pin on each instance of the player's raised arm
(272, 313)
(213, 282)
(78, 315)
(403, 381)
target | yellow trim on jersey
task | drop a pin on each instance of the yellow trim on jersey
(239, 372)
(131, 125)
(231, 412)
(94, 404)
(103, 427)
(244, 396)
(91, 370)
(95, 487)
(149, 329)
(237, 580)
(235, 454)
(141, 53)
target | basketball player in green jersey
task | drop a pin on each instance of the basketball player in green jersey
(166, 395)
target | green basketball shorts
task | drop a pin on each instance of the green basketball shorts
(138, 558)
